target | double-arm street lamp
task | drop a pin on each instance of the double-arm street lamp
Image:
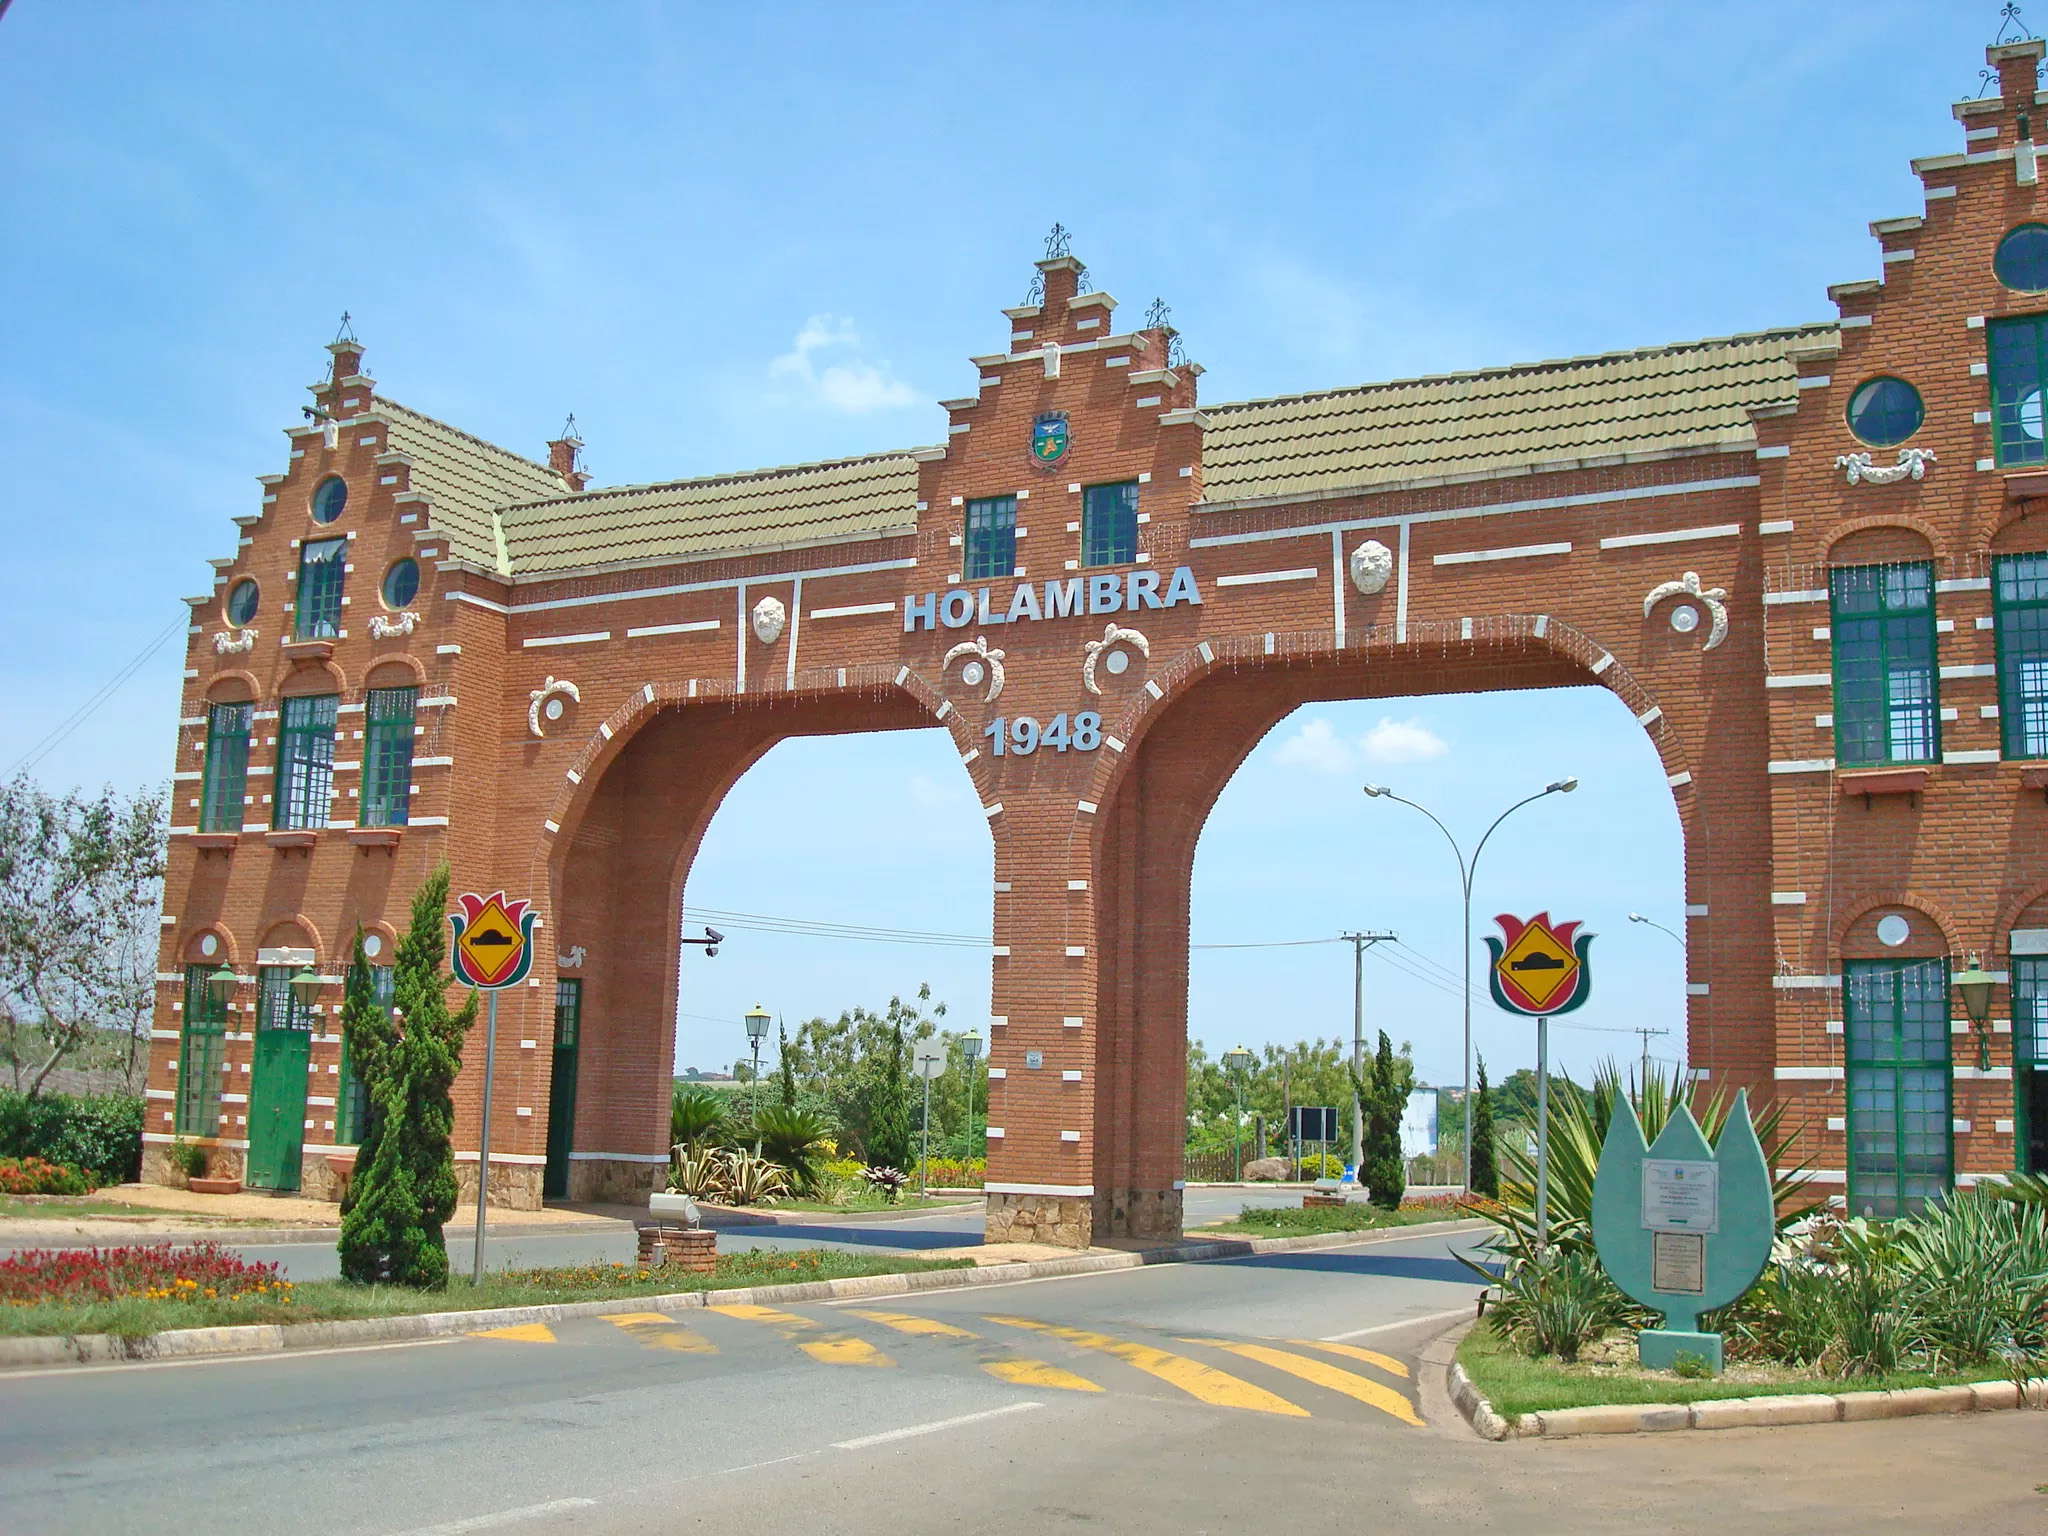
(1466, 869)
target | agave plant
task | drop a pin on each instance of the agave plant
(889, 1181)
(751, 1179)
(698, 1172)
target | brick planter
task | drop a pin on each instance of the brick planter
(214, 1186)
(695, 1251)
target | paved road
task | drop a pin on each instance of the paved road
(1255, 1394)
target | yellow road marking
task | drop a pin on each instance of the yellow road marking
(631, 1319)
(1036, 1373)
(1351, 1384)
(1202, 1382)
(657, 1330)
(904, 1322)
(846, 1351)
(524, 1333)
(1369, 1356)
(753, 1314)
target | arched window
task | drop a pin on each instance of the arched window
(2022, 259)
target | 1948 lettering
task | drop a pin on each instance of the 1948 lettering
(1024, 735)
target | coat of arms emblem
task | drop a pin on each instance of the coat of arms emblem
(1050, 439)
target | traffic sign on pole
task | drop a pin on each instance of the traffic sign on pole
(492, 949)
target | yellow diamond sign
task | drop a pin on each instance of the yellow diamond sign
(1539, 967)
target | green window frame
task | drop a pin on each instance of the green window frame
(387, 756)
(226, 779)
(991, 538)
(1900, 1084)
(305, 761)
(2018, 349)
(568, 1012)
(2030, 1010)
(317, 611)
(1109, 524)
(201, 1055)
(1887, 683)
(352, 1098)
(2019, 601)
(277, 1005)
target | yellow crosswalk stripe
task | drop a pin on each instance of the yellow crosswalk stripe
(657, 1330)
(747, 1312)
(1036, 1373)
(1203, 1382)
(904, 1322)
(1369, 1356)
(846, 1351)
(1352, 1385)
(523, 1333)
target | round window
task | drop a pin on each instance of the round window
(2022, 259)
(1885, 412)
(242, 600)
(329, 497)
(401, 583)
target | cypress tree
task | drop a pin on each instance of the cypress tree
(787, 1070)
(1385, 1175)
(404, 1189)
(889, 1120)
(370, 1040)
(1485, 1166)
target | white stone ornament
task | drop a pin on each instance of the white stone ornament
(225, 644)
(1112, 636)
(1710, 598)
(1372, 567)
(571, 959)
(382, 628)
(547, 699)
(1912, 465)
(986, 663)
(769, 619)
(1893, 930)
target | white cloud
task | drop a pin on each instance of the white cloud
(851, 384)
(1402, 741)
(1317, 747)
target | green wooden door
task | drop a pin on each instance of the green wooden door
(562, 1089)
(277, 1097)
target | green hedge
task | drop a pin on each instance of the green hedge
(100, 1132)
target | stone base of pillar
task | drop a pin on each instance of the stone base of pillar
(1065, 1220)
(514, 1187)
(1147, 1213)
(609, 1181)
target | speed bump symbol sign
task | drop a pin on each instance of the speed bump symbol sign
(493, 945)
(1540, 968)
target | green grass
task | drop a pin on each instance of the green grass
(1295, 1221)
(1516, 1384)
(325, 1300)
(63, 1207)
(867, 1200)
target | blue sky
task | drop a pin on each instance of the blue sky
(728, 237)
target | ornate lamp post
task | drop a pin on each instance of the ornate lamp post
(1975, 985)
(757, 1029)
(1466, 869)
(1238, 1061)
(970, 1049)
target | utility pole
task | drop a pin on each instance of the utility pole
(1360, 943)
(1643, 1082)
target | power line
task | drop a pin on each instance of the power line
(106, 691)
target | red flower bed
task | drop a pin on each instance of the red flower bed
(33, 1176)
(159, 1272)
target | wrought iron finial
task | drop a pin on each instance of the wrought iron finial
(1082, 282)
(1059, 243)
(345, 332)
(1035, 294)
(1176, 353)
(569, 431)
(1158, 316)
(1987, 85)
(2009, 18)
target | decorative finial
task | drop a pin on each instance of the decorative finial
(1035, 294)
(1059, 243)
(1158, 317)
(345, 332)
(569, 431)
(2009, 19)
(1083, 283)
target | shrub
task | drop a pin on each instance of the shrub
(34, 1176)
(793, 1137)
(1553, 1303)
(157, 1272)
(189, 1158)
(1322, 1165)
(752, 1180)
(885, 1180)
(695, 1114)
(101, 1132)
(954, 1172)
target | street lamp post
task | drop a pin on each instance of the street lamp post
(1975, 985)
(1466, 869)
(970, 1051)
(1238, 1061)
(757, 1029)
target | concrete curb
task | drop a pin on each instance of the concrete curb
(1732, 1412)
(265, 1237)
(274, 1338)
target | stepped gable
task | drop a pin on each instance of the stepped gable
(1521, 419)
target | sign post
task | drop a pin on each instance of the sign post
(931, 1063)
(1540, 969)
(492, 949)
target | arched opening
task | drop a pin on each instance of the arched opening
(1154, 819)
(852, 807)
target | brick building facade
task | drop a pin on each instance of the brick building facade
(1804, 559)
